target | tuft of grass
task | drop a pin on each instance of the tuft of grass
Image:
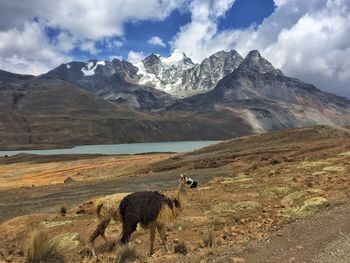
(41, 249)
(126, 253)
(63, 210)
(209, 253)
(209, 240)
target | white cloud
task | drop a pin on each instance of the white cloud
(82, 24)
(89, 46)
(306, 39)
(85, 19)
(201, 38)
(65, 41)
(28, 51)
(134, 57)
(115, 57)
(311, 42)
(116, 44)
(157, 41)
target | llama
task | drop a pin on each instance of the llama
(153, 211)
(106, 208)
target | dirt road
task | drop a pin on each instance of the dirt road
(323, 238)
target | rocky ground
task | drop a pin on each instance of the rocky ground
(276, 197)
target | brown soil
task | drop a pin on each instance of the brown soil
(21, 171)
(277, 197)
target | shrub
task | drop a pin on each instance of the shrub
(41, 249)
(209, 240)
(63, 210)
(125, 253)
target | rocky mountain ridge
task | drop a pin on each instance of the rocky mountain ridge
(269, 100)
(105, 101)
(157, 80)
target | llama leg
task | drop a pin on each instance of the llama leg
(152, 229)
(162, 233)
(128, 229)
(103, 231)
(101, 227)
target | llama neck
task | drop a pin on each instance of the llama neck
(182, 195)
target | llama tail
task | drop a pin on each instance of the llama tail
(122, 208)
(122, 211)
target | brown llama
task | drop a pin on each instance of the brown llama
(153, 211)
(105, 208)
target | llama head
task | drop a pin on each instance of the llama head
(187, 181)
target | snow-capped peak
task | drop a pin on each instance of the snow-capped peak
(90, 67)
(175, 57)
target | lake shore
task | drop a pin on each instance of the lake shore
(116, 149)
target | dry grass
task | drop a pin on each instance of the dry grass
(209, 240)
(63, 210)
(41, 249)
(126, 253)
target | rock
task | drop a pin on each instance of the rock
(274, 162)
(80, 211)
(69, 180)
(20, 253)
(180, 249)
(9, 258)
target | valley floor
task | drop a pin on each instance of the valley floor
(276, 197)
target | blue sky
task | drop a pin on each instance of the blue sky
(305, 39)
(242, 14)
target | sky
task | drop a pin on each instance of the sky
(306, 39)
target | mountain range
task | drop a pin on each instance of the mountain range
(159, 99)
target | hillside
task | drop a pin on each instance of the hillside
(268, 100)
(45, 113)
(107, 102)
(260, 198)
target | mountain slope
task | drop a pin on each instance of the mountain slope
(45, 112)
(268, 100)
(152, 84)
(252, 97)
(179, 76)
(114, 81)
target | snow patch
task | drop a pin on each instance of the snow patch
(175, 57)
(148, 79)
(68, 66)
(91, 66)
